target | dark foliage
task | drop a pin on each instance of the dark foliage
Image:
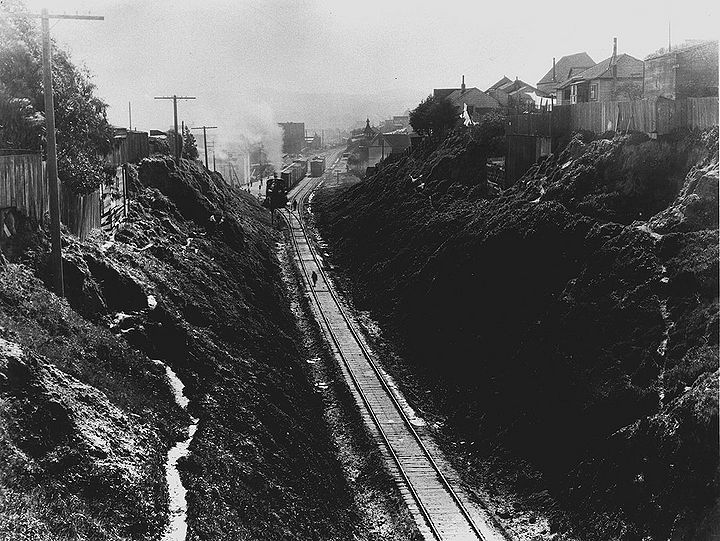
(83, 132)
(433, 117)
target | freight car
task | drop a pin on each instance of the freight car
(317, 166)
(294, 173)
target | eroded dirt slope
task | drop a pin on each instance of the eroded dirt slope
(569, 322)
(191, 278)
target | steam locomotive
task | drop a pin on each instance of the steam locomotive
(277, 188)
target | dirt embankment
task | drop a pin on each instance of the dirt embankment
(569, 323)
(191, 278)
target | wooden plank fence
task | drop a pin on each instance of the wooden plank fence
(697, 112)
(23, 186)
(651, 115)
(80, 213)
(114, 200)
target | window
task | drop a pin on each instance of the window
(573, 94)
(593, 92)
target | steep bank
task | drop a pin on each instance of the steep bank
(85, 422)
(191, 279)
(552, 322)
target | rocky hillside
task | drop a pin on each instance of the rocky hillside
(570, 321)
(86, 418)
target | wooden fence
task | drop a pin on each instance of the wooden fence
(114, 200)
(80, 213)
(23, 186)
(651, 115)
(697, 112)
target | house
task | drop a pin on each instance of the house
(515, 94)
(561, 71)
(689, 71)
(478, 102)
(368, 153)
(501, 90)
(505, 80)
(617, 78)
(398, 142)
(525, 99)
(381, 146)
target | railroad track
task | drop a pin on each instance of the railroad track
(439, 510)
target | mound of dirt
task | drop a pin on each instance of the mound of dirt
(550, 319)
(191, 278)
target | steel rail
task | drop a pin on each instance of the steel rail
(444, 481)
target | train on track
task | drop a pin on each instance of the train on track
(293, 173)
(277, 188)
(317, 166)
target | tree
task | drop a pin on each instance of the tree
(190, 149)
(83, 133)
(433, 117)
(490, 132)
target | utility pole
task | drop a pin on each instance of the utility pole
(51, 146)
(178, 146)
(204, 129)
(129, 116)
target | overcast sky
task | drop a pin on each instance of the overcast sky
(331, 61)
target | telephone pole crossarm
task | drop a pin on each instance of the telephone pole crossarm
(175, 98)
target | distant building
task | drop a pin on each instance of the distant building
(401, 121)
(369, 152)
(257, 154)
(399, 142)
(689, 71)
(478, 102)
(561, 71)
(128, 146)
(502, 82)
(314, 142)
(617, 78)
(293, 137)
(514, 94)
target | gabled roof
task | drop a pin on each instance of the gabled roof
(564, 66)
(525, 89)
(398, 141)
(443, 92)
(500, 83)
(473, 96)
(627, 66)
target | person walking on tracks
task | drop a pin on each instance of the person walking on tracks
(314, 278)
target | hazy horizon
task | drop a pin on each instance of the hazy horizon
(329, 64)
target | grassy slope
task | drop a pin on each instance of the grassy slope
(539, 321)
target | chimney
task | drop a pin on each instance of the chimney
(554, 78)
(462, 87)
(614, 56)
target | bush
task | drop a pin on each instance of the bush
(433, 117)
